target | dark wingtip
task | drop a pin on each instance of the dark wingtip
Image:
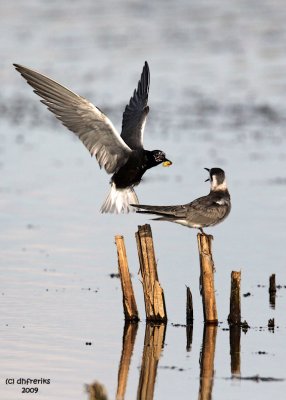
(146, 67)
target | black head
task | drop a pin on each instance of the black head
(217, 178)
(158, 157)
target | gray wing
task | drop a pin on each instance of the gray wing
(170, 212)
(80, 116)
(135, 114)
(203, 211)
(207, 210)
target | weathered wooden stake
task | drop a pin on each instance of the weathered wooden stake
(207, 278)
(272, 283)
(189, 319)
(189, 307)
(272, 290)
(153, 293)
(129, 302)
(234, 317)
(96, 391)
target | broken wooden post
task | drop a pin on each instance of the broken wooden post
(155, 307)
(272, 283)
(272, 290)
(189, 307)
(234, 317)
(207, 278)
(189, 319)
(96, 391)
(129, 302)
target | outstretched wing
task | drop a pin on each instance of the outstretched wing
(80, 116)
(135, 114)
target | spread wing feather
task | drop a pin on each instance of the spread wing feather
(80, 116)
(135, 114)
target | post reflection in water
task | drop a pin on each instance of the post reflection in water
(272, 300)
(128, 341)
(189, 334)
(153, 344)
(234, 342)
(207, 362)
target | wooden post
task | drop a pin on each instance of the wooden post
(272, 290)
(272, 283)
(129, 302)
(96, 391)
(234, 317)
(207, 278)
(129, 336)
(189, 307)
(153, 293)
(189, 319)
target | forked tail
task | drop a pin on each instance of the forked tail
(119, 200)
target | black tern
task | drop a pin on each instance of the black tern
(203, 212)
(123, 156)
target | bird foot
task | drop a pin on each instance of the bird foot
(205, 234)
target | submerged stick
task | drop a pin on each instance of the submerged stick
(207, 278)
(153, 293)
(272, 290)
(234, 317)
(129, 302)
(189, 307)
(272, 283)
(189, 319)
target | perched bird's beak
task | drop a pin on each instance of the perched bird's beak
(207, 169)
(167, 163)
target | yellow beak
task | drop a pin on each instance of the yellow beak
(167, 163)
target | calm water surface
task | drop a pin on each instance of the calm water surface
(217, 98)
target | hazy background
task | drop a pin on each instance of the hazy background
(217, 99)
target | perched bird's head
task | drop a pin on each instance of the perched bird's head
(158, 157)
(217, 179)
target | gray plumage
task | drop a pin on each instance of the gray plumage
(203, 212)
(80, 116)
(121, 155)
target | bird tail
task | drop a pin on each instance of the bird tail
(119, 200)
